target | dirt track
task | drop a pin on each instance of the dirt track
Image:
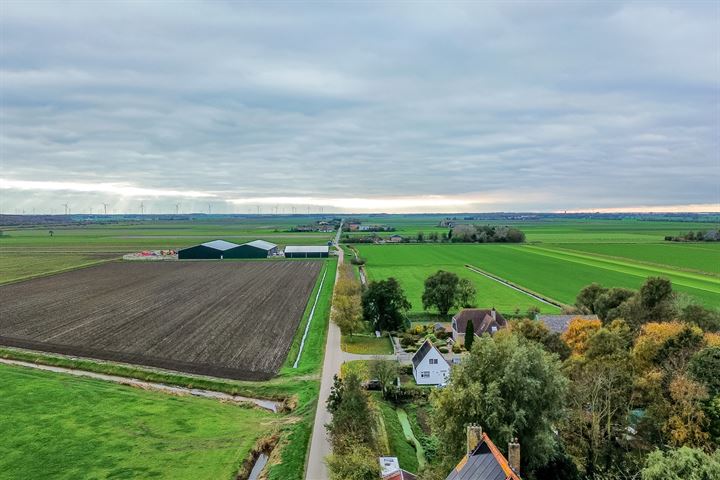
(229, 319)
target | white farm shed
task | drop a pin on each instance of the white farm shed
(429, 366)
(306, 251)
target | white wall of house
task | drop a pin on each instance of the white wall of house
(432, 370)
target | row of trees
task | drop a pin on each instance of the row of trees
(655, 301)
(486, 234)
(699, 236)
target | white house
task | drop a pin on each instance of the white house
(429, 366)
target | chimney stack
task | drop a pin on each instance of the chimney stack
(474, 437)
(493, 313)
(514, 455)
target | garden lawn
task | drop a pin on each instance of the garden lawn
(399, 446)
(366, 344)
(554, 273)
(69, 427)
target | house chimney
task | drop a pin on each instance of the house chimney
(514, 455)
(493, 313)
(474, 437)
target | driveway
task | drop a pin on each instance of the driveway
(319, 442)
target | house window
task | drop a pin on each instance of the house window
(433, 361)
(424, 374)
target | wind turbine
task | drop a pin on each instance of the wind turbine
(177, 208)
(66, 208)
(105, 208)
(142, 208)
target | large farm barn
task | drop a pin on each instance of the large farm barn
(220, 249)
(234, 319)
(310, 251)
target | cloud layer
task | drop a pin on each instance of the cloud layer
(477, 106)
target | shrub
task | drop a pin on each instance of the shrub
(456, 348)
(443, 349)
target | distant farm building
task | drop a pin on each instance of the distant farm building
(220, 249)
(214, 250)
(255, 249)
(310, 251)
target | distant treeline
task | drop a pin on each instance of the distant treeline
(458, 234)
(709, 236)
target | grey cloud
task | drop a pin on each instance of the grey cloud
(587, 105)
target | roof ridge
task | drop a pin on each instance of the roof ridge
(500, 458)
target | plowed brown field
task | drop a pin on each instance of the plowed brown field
(229, 319)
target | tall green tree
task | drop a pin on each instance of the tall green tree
(385, 305)
(510, 386)
(469, 335)
(466, 294)
(705, 368)
(386, 372)
(441, 290)
(351, 426)
(598, 403)
(358, 464)
(682, 464)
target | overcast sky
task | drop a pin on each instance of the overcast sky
(397, 106)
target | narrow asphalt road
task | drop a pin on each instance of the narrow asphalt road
(320, 443)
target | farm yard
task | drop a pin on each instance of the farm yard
(228, 319)
(31, 251)
(65, 427)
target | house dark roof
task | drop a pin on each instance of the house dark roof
(261, 244)
(482, 319)
(560, 323)
(484, 463)
(221, 245)
(422, 352)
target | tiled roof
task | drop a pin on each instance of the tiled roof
(486, 462)
(481, 318)
(400, 475)
(422, 351)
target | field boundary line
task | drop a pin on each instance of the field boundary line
(271, 405)
(541, 298)
(660, 268)
(310, 317)
(681, 278)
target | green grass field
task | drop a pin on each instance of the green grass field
(19, 266)
(367, 345)
(555, 230)
(412, 264)
(699, 257)
(64, 427)
(553, 272)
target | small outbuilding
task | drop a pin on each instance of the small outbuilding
(560, 323)
(309, 251)
(254, 249)
(429, 366)
(214, 250)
